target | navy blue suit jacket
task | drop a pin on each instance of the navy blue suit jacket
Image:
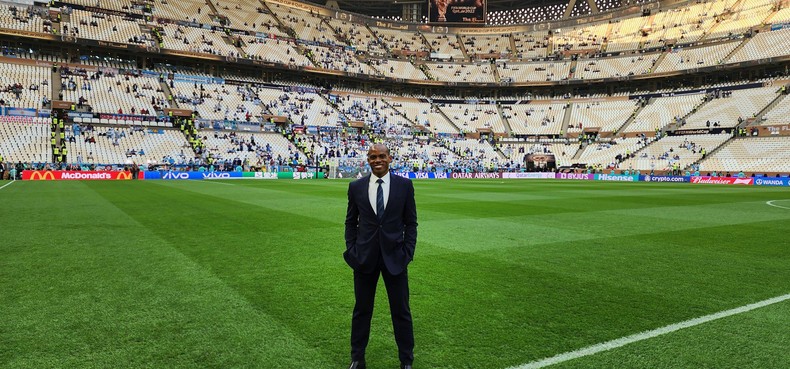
(393, 239)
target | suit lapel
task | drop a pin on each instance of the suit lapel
(393, 188)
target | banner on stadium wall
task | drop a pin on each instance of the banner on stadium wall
(63, 175)
(616, 178)
(21, 112)
(676, 179)
(259, 175)
(155, 175)
(457, 11)
(528, 175)
(423, 175)
(298, 175)
(580, 176)
(722, 180)
(475, 175)
(772, 181)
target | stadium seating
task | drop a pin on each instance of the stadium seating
(683, 150)
(535, 118)
(725, 112)
(752, 154)
(25, 139)
(607, 116)
(24, 86)
(662, 111)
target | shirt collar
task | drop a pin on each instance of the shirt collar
(374, 178)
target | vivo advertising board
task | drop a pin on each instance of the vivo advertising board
(191, 175)
(675, 179)
(772, 181)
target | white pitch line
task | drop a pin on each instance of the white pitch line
(7, 184)
(776, 206)
(591, 350)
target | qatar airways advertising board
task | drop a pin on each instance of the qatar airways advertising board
(63, 175)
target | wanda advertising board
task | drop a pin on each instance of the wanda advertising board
(457, 11)
(62, 175)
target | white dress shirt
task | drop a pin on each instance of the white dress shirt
(373, 187)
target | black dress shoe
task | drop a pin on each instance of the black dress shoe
(405, 366)
(357, 365)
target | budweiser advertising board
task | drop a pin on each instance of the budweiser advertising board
(62, 175)
(722, 180)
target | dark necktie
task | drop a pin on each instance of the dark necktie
(380, 200)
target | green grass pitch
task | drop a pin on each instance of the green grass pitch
(249, 274)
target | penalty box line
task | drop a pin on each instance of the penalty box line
(620, 342)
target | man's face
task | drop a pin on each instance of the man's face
(379, 160)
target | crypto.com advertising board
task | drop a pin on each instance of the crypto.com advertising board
(457, 11)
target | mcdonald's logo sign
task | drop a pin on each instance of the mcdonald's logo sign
(124, 176)
(38, 175)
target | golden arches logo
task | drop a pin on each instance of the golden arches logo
(42, 176)
(124, 175)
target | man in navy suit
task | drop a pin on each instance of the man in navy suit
(381, 233)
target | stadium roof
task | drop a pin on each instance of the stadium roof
(392, 8)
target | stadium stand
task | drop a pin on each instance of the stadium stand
(683, 150)
(753, 154)
(25, 139)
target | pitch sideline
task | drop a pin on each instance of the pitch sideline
(620, 342)
(7, 184)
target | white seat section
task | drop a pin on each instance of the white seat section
(697, 57)
(274, 50)
(237, 145)
(480, 72)
(217, 101)
(487, 44)
(306, 108)
(109, 93)
(725, 111)
(155, 146)
(471, 117)
(764, 45)
(398, 69)
(249, 16)
(423, 113)
(533, 72)
(531, 45)
(535, 118)
(684, 150)
(662, 111)
(340, 59)
(605, 153)
(378, 116)
(608, 116)
(615, 67)
(445, 44)
(32, 85)
(780, 114)
(25, 139)
(750, 154)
